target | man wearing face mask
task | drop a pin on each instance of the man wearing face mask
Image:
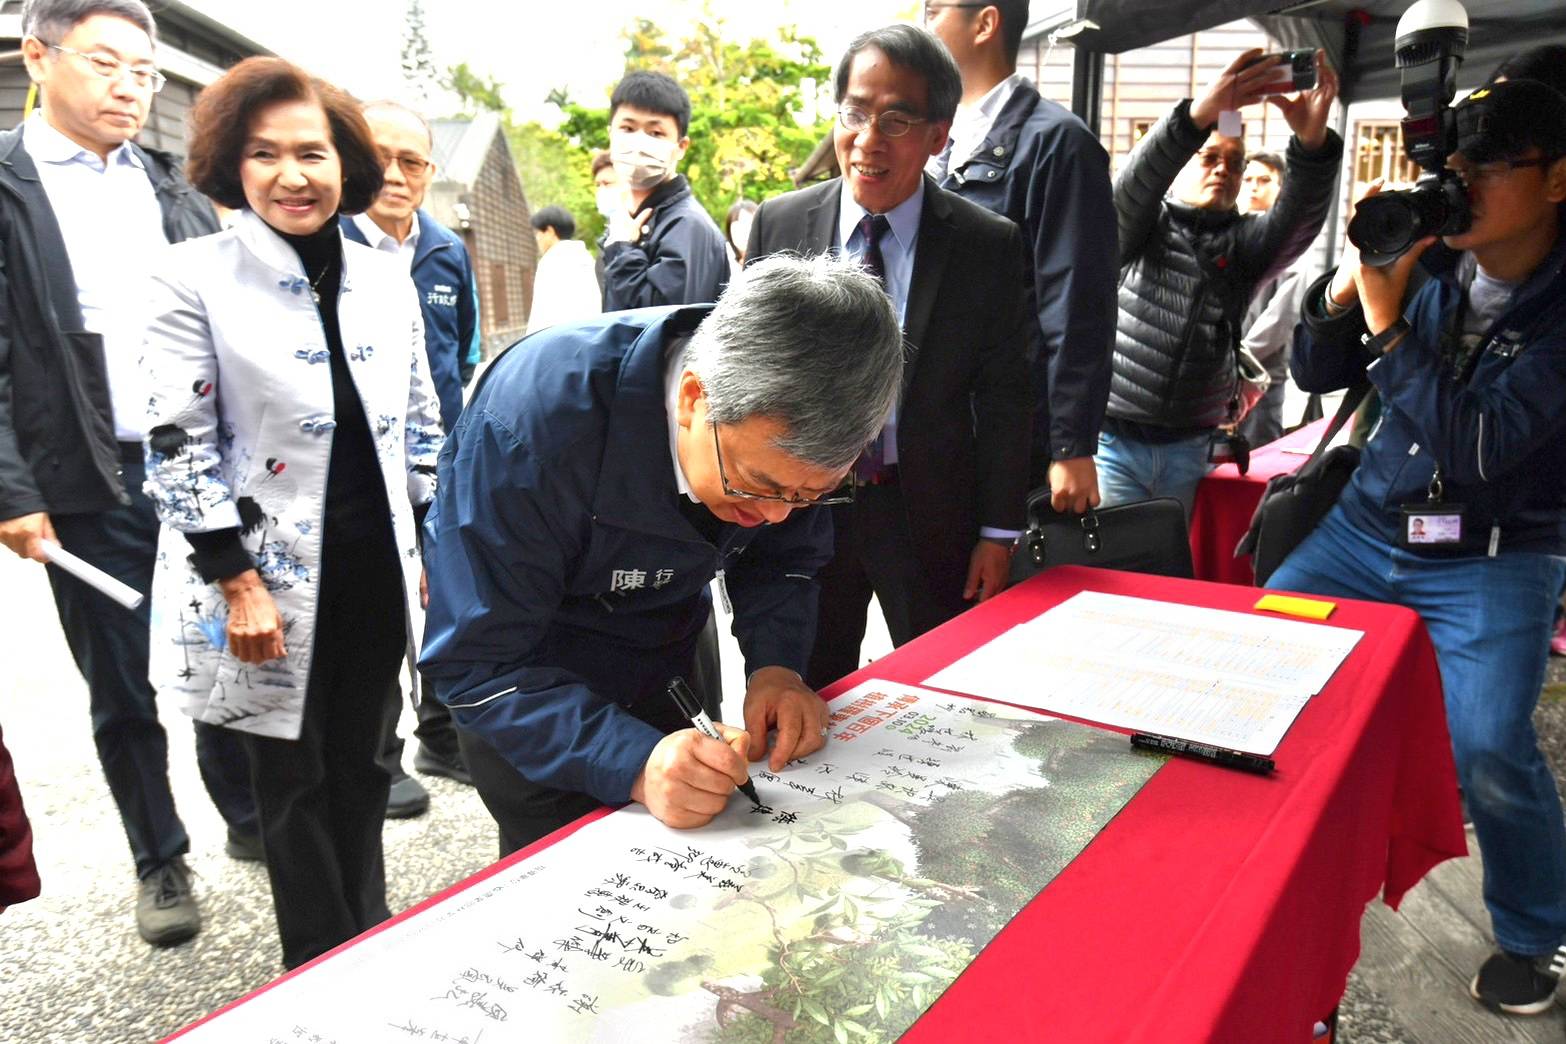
(662, 248)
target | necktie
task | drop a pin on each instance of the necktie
(871, 228)
(871, 468)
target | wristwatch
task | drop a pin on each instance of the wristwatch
(1377, 344)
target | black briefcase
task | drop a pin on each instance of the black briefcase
(1293, 505)
(1148, 536)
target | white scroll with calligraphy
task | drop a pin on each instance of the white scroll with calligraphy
(877, 871)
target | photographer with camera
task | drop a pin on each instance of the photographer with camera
(1189, 264)
(1458, 507)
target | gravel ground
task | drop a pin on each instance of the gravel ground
(73, 970)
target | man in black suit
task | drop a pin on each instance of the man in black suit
(941, 491)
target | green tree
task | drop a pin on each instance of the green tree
(556, 171)
(644, 43)
(418, 66)
(477, 93)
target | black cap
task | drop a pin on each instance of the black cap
(1504, 120)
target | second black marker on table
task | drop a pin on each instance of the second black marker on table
(691, 707)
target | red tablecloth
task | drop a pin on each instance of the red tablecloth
(1226, 500)
(1217, 905)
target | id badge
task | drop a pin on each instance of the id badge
(1432, 525)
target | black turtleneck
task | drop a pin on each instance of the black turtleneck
(356, 506)
(355, 494)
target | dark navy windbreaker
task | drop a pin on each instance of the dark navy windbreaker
(1496, 436)
(565, 584)
(448, 295)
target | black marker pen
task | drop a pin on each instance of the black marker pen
(690, 706)
(1236, 759)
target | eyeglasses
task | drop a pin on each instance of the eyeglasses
(892, 124)
(1491, 173)
(412, 166)
(111, 68)
(1212, 158)
(842, 495)
(931, 9)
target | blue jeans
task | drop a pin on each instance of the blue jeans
(1129, 469)
(1490, 620)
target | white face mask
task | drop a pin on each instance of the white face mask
(642, 160)
(610, 201)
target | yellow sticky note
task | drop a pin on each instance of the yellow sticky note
(1310, 608)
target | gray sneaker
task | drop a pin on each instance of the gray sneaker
(407, 798)
(166, 913)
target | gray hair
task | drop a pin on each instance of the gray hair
(917, 50)
(397, 106)
(51, 20)
(811, 342)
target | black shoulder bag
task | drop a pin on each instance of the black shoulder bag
(1148, 536)
(1293, 505)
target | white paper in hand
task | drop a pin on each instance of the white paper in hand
(91, 575)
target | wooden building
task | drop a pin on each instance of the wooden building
(1141, 86)
(478, 194)
(193, 50)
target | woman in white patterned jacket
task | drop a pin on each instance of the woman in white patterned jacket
(292, 439)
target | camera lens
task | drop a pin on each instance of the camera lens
(1387, 224)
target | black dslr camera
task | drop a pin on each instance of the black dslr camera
(1431, 39)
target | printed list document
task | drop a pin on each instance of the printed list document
(1225, 678)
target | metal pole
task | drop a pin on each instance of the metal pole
(1087, 87)
(1345, 177)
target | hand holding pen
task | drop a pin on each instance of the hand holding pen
(691, 708)
(690, 775)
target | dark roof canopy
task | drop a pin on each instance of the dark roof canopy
(1357, 35)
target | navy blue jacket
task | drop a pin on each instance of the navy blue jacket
(681, 258)
(565, 584)
(1042, 167)
(1497, 437)
(448, 295)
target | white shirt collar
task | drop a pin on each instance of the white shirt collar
(973, 122)
(903, 218)
(45, 144)
(673, 370)
(383, 240)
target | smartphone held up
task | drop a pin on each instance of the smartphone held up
(1292, 71)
